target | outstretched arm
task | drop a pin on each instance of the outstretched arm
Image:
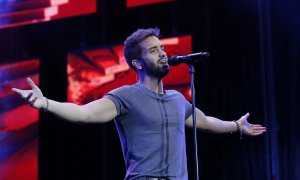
(219, 126)
(101, 110)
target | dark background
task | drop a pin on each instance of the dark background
(254, 67)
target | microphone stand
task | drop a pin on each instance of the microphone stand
(192, 73)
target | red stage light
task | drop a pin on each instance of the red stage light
(135, 3)
(22, 12)
(18, 123)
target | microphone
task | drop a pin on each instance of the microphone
(188, 59)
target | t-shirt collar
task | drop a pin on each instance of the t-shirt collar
(149, 91)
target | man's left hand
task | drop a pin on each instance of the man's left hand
(250, 129)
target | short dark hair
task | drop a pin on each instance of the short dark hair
(132, 50)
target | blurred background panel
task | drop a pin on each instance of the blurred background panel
(22, 12)
(135, 3)
(18, 122)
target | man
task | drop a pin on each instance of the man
(149, 119)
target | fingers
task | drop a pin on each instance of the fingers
(19, 91)
(27, 95)
(23, 93)
(247, 115)
(257, 129)
(244, 118)
(30, 96)
(257, 126)
(257, 133)
(30, 82)
(36, 90)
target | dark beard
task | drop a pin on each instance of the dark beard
(159, 72)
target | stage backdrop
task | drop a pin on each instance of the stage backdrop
(21, 12)
(18, 122)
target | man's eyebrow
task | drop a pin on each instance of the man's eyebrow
(153, 47)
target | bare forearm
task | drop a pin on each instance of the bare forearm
(211, 123)
(67, 111)
(219, 126)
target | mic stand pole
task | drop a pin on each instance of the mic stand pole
(192, 73)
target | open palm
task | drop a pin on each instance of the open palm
(250, 129)
(34, 97)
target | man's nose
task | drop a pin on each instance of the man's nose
(162, 53)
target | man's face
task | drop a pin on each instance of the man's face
(154, 58)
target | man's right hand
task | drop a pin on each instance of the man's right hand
(34, 97)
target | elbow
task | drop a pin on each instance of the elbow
(82, 115)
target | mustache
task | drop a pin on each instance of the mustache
(163, 59)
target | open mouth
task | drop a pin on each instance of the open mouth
(163, 61)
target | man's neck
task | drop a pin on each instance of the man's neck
(153, 84)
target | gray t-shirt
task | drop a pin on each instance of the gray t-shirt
(151, 130)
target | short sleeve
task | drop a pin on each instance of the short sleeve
(188, 109)
(121, 98)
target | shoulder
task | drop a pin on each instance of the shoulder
(174, 93)
(123, 91)
(120, 89)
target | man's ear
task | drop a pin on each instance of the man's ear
(137, 64)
